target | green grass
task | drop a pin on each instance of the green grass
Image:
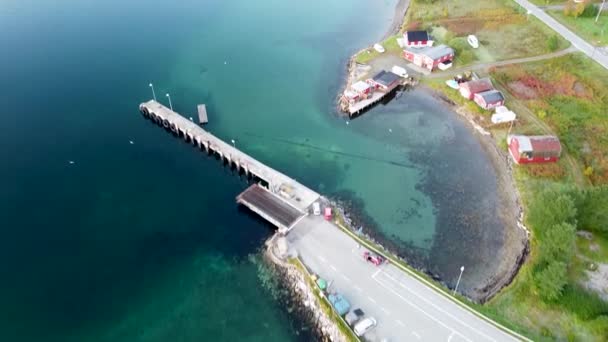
(454, 96)
(324, 303)
(599, 243)
(587, 28)
(503, 29)
(584, 304)
(570, 92)
(389, 44)
(565, 319)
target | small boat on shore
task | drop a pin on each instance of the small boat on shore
(452, 84)
(379, 48)
(473, 41)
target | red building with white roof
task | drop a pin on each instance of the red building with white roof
(534, 149)
(429, 57)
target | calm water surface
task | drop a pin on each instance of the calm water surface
(143, 241)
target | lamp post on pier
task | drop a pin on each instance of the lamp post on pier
(153, 93)
(170, 104)
(458, 282)
(233, 143)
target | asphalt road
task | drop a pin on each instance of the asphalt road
(271, 205)
(405, 308)
(578, 42)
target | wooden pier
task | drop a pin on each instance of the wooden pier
(283, 187)
(358, 107)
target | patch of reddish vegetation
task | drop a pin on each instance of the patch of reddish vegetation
(463, 26)
(569, 85)
(546, 170)
(522, 91)
(414, 25)
(528, 87)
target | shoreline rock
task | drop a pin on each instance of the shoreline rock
(307, 306)
(516, 247)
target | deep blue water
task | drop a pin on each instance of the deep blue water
(144, 241)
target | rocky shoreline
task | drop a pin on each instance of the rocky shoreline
(305, 303)
(516, 246)
(353, 69)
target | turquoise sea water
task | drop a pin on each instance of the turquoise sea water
(144, 241)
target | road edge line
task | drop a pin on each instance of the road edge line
(431, 285)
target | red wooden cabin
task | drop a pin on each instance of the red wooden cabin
(534, 149)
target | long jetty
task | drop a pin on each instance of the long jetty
(282, 203)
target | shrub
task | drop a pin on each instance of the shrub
(542, 114)
(584, 304)
(550, 280)
(558, 243)
(551, 207)
(593, 210)
(553, 43)
(589, 11)
(466, 57)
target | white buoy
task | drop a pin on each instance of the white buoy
(225, 62)
(347, 122)
(131, 142)
(191, 119)
(390, 130)
(71, 162)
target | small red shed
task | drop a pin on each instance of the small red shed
(489, 99)
(417, 39)
(534, 149)
(469, 89)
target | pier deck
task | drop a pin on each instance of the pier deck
(376, 97)
(289, 190)
(202, 114)
(271, 207)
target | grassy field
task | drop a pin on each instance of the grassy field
(587, 28)
(577, 314)
(569, 95)
(390, 45)
(566, 96)
(504, 31)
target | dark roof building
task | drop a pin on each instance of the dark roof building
(469, 89)
(385, 78)
(417, 36)
(489, 99)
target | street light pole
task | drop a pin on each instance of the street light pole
(458, 282)
(233, 143)
(153, 93)
(600, 11)
(170, 104)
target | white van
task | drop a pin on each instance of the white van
(316, 208)
(364, 326)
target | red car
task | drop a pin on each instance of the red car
(373, 258)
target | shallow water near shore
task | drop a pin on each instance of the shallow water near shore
(144, 241)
